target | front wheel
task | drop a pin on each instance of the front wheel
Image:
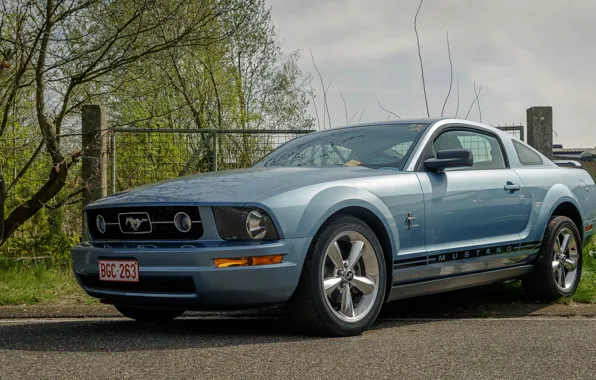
(148, 315)
(343, 280)
(559, 265)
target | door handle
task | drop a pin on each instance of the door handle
(512, 187)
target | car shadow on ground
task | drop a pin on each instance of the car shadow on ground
(219, 330)
(497, 300)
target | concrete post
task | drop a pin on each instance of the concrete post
(95, 157)
(540, 129)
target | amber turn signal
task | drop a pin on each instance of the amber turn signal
(248, 261)
(589, 228)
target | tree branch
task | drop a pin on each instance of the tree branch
(326, 105)
(314, 103)
(478, 101)
(420, 57)
(352, 118)
(26, 210)
(325, 109)
(362, 113)
(26, 167)
(392, 113)
(450, 75)
(64, 201)
(24, 64)
(45, 123)
(345, 106)
(457, 106)
(475, 99)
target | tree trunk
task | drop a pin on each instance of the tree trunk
(26, 210)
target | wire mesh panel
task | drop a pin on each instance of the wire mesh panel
(516, 131)
(150, 155)
(241, 150)
(145, 157)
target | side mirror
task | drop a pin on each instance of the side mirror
(450, 158)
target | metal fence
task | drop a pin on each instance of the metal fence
(140, 156)
(516, 131)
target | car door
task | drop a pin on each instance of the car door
(473, 215)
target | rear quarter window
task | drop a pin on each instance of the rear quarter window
(526, 155)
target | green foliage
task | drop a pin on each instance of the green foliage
(242, 81)
(49, 243)
(166, 64)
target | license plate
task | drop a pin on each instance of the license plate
(119, 270)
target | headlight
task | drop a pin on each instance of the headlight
(240, 223)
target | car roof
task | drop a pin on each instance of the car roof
(386, 122)
(429, 121)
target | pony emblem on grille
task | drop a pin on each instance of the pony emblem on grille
(135, 223)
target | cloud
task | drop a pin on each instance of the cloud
(523, 53)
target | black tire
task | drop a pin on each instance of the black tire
(541, 282)
(309, 308)
(147, 314)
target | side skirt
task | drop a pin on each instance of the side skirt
(458, 282)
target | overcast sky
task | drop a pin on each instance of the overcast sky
(522, 53)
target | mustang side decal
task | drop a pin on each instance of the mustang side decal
(466, 254)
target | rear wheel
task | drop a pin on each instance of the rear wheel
(343, 280)
(558, 270)
(148, 315)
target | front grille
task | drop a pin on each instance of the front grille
(143, 223)
(148, 284)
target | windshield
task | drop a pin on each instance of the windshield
(373, 146)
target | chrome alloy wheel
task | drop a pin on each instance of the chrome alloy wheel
(565, 259)
(350, 276)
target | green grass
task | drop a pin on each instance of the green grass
(24, 283)
(586, 291)
(38, 283)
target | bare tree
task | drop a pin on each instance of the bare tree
(64, 54)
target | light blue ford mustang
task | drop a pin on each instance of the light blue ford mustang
(335, 223)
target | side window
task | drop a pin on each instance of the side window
(486, 150)
(526, 155)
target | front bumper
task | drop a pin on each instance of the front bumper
(184, 276)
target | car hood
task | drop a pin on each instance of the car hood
(235, 186)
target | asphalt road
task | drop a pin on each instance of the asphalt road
(264, 348)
